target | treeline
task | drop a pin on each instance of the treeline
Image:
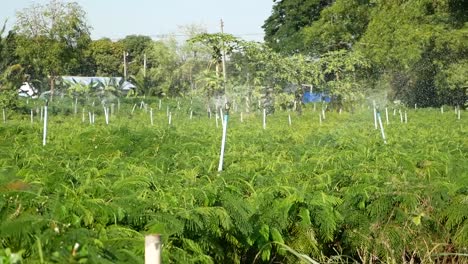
(417, 50)
(412, 51)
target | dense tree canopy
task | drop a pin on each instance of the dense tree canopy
(52, 38)
(417, 49)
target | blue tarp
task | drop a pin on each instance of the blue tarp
(315, 98)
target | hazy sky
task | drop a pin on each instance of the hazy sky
(117, 18)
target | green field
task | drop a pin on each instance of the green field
(332, 191)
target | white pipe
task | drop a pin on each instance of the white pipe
(45, 126)
(223, 143)
(289, 119)
(375, 118)
(32, 117)
(151, 116)
(264, 118)
(386, 116)
(153, 247)
(381, 128)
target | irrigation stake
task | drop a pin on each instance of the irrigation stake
(159, 107)
(82, 115)
(459, 113)
(167, 111)
(151, 115)
(406, 118)
(323, 114)
(264, 118)
(394, 112)
(76, 105)
(386, 116)
(32, 117)
(4, 116)
(93, 117)
(170, 118)
(320, 119)
(216, 120)
(106, 115)
(90, 118)
(221, 115)
(118, 104)
(441, 109)
(242, 118)
(401, 116)
(315, 107)
(223, 139)
(153, 249)
(340, 111)
(289, 119)
(191, 114)
(381, 128)
(375, 117)
(44, 136)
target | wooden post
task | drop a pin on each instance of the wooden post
(153, 249)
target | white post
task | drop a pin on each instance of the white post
(170, 118)
(153, 249)
(221, 116)
(151, 116)
(106, 115)
(93, 117)
(394, 112)
(4, 116)
(386, 116)
(242, 117)
(159, 104)
(118, 105)
(32, 117)
(375, 118)
(223, 142)
(76, 106)
(44, 136)
(320, 119)
(459, 113)
(401, 116)
(90, 118)
(381, 128)
(406, 118)
(216, 120)
(82, 115)
(441, 109)
(167, 111)
(264, 118)
(289, 119)
(323, 114)
(191, 114)
(314, 107)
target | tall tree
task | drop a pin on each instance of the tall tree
(52, 39)
(135, 47)
(288, 18)
(107, 57)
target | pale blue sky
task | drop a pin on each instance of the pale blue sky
(117, 18)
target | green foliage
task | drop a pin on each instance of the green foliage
(336, 193)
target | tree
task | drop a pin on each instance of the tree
(11, 74)
(135, 47)
(288, 18)
(52, 39)
(107, 57)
